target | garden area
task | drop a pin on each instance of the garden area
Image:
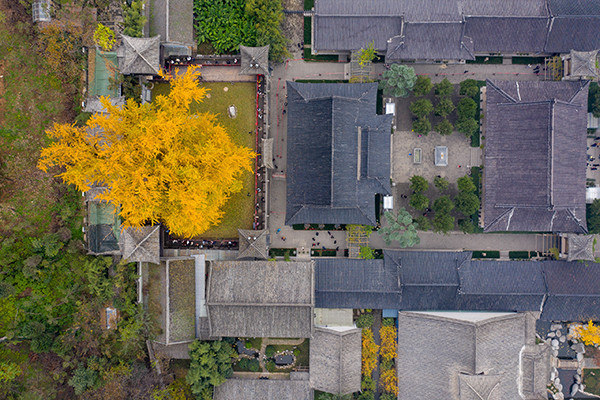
(278, 355)
(238, 212)
(221, 26)
(438, 208)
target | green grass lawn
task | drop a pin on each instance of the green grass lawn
(591, 379)
(239, 210)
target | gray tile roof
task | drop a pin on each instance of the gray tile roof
(573, 291)
(262, 389)
(463, 360)
(439, 41)
(253, 244)
(335, 360)
(260, 299)
(347, 33)
(574, 7)
(139, 56)
(501, 286)
(333, 176)
(535, 156)
(429, 278)
(504, 8)
(180, 24)
(507, 34)
(255, 60)
(141, 245)
(581, 247)
(583, 64)
(573, 33)
(354, 283)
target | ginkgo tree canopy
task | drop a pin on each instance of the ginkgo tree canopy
(159, 161)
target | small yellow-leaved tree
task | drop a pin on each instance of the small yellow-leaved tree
(369, 352)
(590, 335)
(160, 162)
(389, 345)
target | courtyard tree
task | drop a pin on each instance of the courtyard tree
(398, 81)
(469, 87)
(441, 183)
(418, 184)
(444, 88)
(466, 225)
(593, 216)
(467, 126)
(465, 184)
(104, 37)
(419, 201)
(367, 54)
(594, 99)
(444, 128)
(400, 228)
(466, 108)
(421, 108)
(134, 19)
(467, 203)
(423, 223)
(421, 126)
(423, 86)
(211, 364)
(444, 107)
(443, 205)
(589, 334)
(268, 16)
(159, 161)
(366, 253)
(443, 223)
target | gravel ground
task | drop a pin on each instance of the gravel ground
(293, 26)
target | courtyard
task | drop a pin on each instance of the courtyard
(239, 210)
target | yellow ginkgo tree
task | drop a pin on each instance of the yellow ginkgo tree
(160, 161)
(589, 335)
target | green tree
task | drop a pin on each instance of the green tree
(253, 365)
(419, 201)
(467, 126)
(594, 99)
(466, 225)
(367, 383)
(423, 223)
(467, 203)
(268, 15)
(210, 366)
(423, 86)
(441, 183)
(365, 320)
(366, 253)
(134, 19)
(593, 216)
(398, 81)
(443, 205)
(400, 228)
(444, 128)
(421, 126)
(469, 87)
(443, 223)
(418, 184)
(466, 108)
(270, 351)
(367, 54)
(444, 107)
(83, 379)
(465, 184)
(421, 108)
(444, 88)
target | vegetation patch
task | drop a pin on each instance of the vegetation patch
(182, 300)
(591, 379)
(486, 254)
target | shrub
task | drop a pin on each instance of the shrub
(367, 383)
(418, 184)
(465, 184)
(385, 364)
(466, 108)
(134, 19)
(366, 396)
(593, 216)
(469, 87)
(421, 126)
(388, 396)
(366, 253)
(388, 322)
(243, 363)
(104, 37)
(423, 86)
(254, 365)
(419, 201)
(594, 99)
(441, 183)
(365, 321)
(271, 366)
(444, 107)
(444, 88)
(443, 205)
(389, 381)
(423, 223)
(297, 353)
(83, 379)
(443, 223)
(421, 108)
(466, 225)
(467, 203)
(467, 126)
(389, 344)
(270, 351)
(369, 352)
(444, 128)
